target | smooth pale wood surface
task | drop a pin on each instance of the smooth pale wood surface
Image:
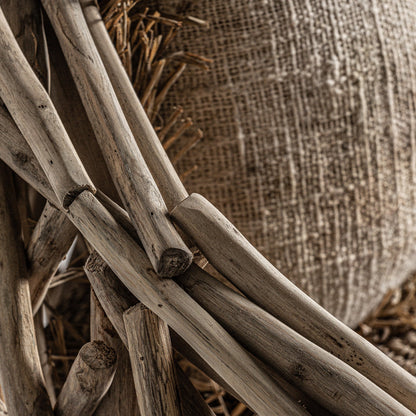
(20, 368)
(177, 309)
(134, 182)
(163, 172)
(260, 281)
(331, 382)
(68, 103)
(17, 154)
(88, 380)
(115, 299)
(120, 400)
(151, 357)
(49, 242)
(36, 117)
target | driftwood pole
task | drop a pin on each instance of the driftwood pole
(134, 182)
(152, 362)
(50, 241)
(164, 173)
(120, 400)
(34, 113)
(20, 369)
(116, 299)
(88, 380)
(328, 380)
(251, 273)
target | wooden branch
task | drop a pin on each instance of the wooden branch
(120, 400)
(50, 241)
(134, 182)
(178, 310)
(331, 382)
(251, 273)
(88, 380)
(36, 117)
(17, 154)
(20, 368)
(116, 299)
(69, 106)
(152, 363)
(159, 164)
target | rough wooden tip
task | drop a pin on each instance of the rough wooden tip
(88, 380)
(173, 262)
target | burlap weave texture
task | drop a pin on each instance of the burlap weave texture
(310, 138)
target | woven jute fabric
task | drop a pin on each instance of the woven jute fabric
(309, 120)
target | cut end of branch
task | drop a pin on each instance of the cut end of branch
(71, 195)
(98, 355)
(173, 262)
(95, 263)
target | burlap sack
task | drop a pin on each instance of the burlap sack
(310, 138)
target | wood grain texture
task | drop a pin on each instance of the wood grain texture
(151, 356)
(177, 309)
(17, 154)
(328, 380)
(49, 242)
(36, 117)
(132, 178)
(115, 299)
(260, 281)
(120, 400)
(20, 368)
(88, 380)
(160, 166)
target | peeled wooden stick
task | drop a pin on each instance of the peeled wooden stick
(35, 115)
(251, 273)
(17, 154)
(20, 369)
(88, 380)
(120, 400)
(50, 241)
(134, 182)
(151, 358)
(177, 309)
(164, 173)
(328, 380)
(116, 299)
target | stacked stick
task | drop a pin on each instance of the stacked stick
(271, 348)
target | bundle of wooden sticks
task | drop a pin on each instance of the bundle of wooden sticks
(269, 344)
